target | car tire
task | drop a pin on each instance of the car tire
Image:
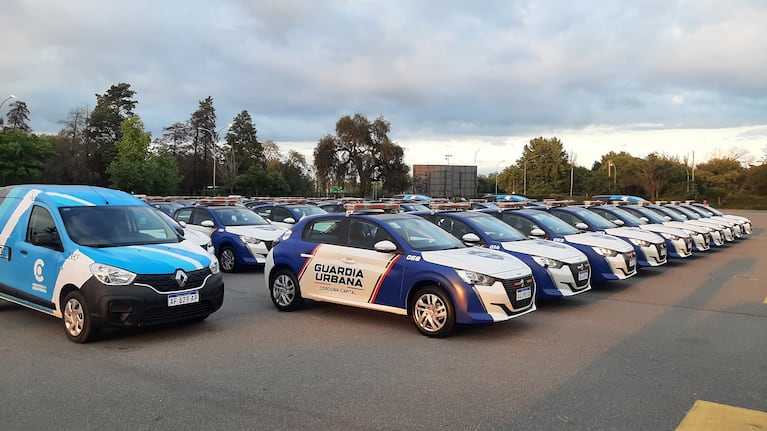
(78, 324)
(285, 291)
(433, 312)
(227, 259)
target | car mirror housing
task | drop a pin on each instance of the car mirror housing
(207, 223)
(582, 226)
(537, 232)
(385, 246)
(470, 238)
(619, 222)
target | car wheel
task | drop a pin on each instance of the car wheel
(433, 312)
(284, 290)
(227, 259)
(78, 324)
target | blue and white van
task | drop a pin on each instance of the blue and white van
(98, 257)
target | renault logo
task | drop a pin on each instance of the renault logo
(181, 277)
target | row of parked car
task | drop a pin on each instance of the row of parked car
(451, 264)
(97, 257)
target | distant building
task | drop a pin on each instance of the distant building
(445, 181)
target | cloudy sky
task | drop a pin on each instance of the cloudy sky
(459, 81)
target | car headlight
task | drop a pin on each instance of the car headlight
(287, 234)
(547, 262)
(608, 252)
(111, 275)
(475, 278)
(639, 242)
(670, 236)
(214, 269)
(249, 239)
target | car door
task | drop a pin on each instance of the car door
(38, 258)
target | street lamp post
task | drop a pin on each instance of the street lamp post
(214, 140)
(524, 175)
(3, 103)
(615, 173)
(496, 176)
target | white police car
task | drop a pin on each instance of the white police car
(96, 257)
(559, 269)
(397, 263)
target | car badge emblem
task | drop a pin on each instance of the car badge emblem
(181, 277)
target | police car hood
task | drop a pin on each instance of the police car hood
(635, 233)
(688, 226)
(594, 239)
(150, 258)
(552, 250)
(265, 232)
(490, 262)
(196, 237)
(662, 228)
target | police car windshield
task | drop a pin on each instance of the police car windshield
(552, 223)
(650, 215)
(305, 210)
(496, 229)
(594, 219)
(629, 218)
(692, 215)
(112, 226)
(669, 212)
(238, 216)
(422, 235)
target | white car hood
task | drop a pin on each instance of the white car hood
(683, 225)
(595, 239)
(654, 227)
(485, 261)
(196, 237)
(635, 233)
(553, 250)
(262, 232)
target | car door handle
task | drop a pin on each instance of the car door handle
(347, 260)
(24, 252)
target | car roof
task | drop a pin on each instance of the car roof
(73, 195)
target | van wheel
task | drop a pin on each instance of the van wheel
(284, 291)
(432, 312)
(78, 324)
(227, 259)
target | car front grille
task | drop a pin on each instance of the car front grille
(167, 282)
(513, 285)
(577, 268)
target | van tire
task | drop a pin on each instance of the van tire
(78, 324)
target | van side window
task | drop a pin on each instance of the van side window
(42, 230)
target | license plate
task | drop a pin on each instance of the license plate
(632, 261)
(524, 293)
(183, 298)
(583, 275)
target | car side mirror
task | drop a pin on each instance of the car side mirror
(385, 246)
(618, 222)
(582, 226)
(667, 218)
(289, 220)
(182, 223)
(470, 238)
(538, 232)
(207, 223)
(644, 219)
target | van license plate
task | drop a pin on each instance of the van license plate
(583, 275)
(524, 293)
(183, 298)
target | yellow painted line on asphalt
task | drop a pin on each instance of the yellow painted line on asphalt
(705, 415)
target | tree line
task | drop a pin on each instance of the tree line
(108, 146)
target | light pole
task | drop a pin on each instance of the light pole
(447, 158)
(3, 103)
(214, 140)
(524, 175)
(615, 173)
(496, 176)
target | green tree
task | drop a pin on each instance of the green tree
(360, 152)
(103, 129)
(23, 157)
(18, 117)
(135, 169)
(198, 169)
(545, 167)
(719, 178)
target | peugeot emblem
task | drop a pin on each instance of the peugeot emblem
(181, 277)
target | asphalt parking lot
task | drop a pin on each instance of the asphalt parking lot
(630, 355)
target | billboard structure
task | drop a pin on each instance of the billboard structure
(445, 181)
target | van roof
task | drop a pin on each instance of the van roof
(72, 195)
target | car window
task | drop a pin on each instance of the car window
(324, 231)
(184, 215)
(199, 215)
(422, 235)
(41, 223)
(239, 216)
